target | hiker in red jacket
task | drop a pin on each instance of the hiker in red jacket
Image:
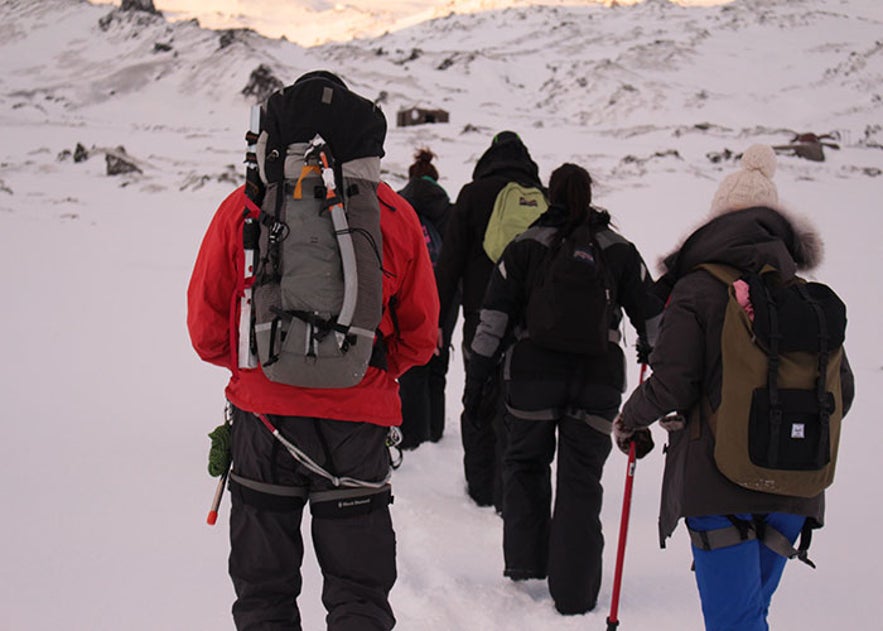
(343, 430)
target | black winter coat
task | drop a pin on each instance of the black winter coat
(433, 205)
(430, 201)
(686, 362)
(463, 259)
(502, 321)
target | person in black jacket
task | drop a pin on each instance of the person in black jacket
(422, 388)
(464, 265)
(549, 391)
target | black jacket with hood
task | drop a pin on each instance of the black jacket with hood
(463, 259)
(430, 201)
(686, 361)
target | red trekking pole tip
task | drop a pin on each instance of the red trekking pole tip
(612, 624)
(212, 517)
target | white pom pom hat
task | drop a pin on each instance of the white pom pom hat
(752, 185)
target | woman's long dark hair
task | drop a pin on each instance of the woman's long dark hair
(570, 187)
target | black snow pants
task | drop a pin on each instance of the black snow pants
(422, 391)
(483, 445)
(564, 544)
(352, 531)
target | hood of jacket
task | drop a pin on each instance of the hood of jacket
(748, 240)
(510, 159)
(428, 198)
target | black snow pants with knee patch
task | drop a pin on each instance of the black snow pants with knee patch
(352, 531)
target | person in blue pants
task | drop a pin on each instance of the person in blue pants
(741, 536)
(736, 583)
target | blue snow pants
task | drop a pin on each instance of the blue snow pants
(736, 583)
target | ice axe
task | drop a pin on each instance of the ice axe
(220, 461)
(613, 619)
(216, 502)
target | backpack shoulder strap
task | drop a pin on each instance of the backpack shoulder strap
(724, 273)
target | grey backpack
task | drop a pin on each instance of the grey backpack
(317, 294)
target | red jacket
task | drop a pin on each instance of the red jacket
(213, 312)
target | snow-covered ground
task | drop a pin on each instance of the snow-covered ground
(106, 407)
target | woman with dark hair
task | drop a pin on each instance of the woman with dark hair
(422, 388)
(564, 384)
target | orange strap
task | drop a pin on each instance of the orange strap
(305, 170)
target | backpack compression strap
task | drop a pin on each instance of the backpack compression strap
(821, 382)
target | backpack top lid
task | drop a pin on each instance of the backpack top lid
(320, 103)
(800, 329)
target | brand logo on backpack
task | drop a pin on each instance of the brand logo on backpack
(584, 255)
(777, 428)
(524, 201)
(569, 307)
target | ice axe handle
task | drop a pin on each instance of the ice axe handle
(216, 502)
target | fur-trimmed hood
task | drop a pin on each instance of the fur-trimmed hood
(749, 239)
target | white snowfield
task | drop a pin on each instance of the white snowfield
(106, 407)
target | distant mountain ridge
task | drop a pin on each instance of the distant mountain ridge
(314, 22)
(645, 74)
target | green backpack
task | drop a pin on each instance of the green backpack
(515, 208)
(777, 429)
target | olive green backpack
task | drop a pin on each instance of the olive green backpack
(515, 208)
(777, 429)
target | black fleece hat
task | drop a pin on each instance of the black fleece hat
(506, 136)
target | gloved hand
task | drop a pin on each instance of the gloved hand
(472, 398)
(624, 436)
(644, 349)
(481, 400)
(673, 422)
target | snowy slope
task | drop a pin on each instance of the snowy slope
(107, 407)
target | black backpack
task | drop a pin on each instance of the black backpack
(432, 237)
(569, 307)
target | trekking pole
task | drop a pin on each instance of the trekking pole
(612, 619)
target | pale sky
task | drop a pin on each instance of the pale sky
(340, 21)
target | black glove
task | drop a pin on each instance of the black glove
(644, 349)
(472, 394)
(481, 400)
(623, 437)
